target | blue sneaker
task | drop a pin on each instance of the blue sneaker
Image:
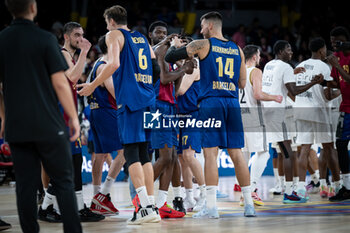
(292, 199)
(249, 211)
(220, 194)
(207, 213)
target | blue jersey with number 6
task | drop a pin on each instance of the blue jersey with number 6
(133, 79)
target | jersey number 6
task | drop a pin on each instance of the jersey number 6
(142, 60)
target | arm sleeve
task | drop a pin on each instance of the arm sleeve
(54, 59)
(173, 54)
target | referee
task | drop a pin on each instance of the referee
(32, 73)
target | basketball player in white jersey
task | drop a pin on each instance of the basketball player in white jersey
(253, 122)
(312, 115)
(278, 79)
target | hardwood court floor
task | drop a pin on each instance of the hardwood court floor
(316, 216)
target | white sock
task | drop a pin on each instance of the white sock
(247, 195)
(275, 174)
(296, 180)
(301, 185)
(161, 198)
(48, 200)
(203, 191)
(55, 205)
(211, 196)
(189, 194)
(323, 182)
(196, 190)
(316, 177)
(96, 188)
(45, 190)
(289, 187)
(346, 181)
(337, 186)
(107, 185)
(258, 167)
(282, 181)
(177, 191)
(80, 199)
(142, 193)
(151, 199)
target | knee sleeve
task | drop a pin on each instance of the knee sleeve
(144, 157)
(77, 163)
(131, 153)
(343, 155)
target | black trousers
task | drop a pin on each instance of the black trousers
(56, 158)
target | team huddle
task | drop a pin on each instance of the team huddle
(229, 103)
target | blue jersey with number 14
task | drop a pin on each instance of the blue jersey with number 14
(219, 70)
(133, 79)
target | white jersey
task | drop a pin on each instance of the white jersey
(276, 74)
(250, 107)
(312, 105)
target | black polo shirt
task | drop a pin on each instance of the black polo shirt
(28, 57)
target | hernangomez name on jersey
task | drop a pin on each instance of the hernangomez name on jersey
(312, 104)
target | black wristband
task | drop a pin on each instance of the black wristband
(174, 54)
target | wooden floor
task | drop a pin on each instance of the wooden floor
(316, 216)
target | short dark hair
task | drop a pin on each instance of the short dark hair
(102, 44)
(249, 51)
(340, 31)
(157, 24)
(316, 44)
(18, 7)
(117, 13)
(279, 46)
(212, 15)
(68, 27)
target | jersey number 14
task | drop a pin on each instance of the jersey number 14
(228, 67)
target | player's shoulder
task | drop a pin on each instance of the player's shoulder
(256, 70)
(115, 34)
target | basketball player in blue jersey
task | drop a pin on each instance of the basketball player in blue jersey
(73, 40)
(104, 126)
(130, 64)
(222, 72)
(167, 166)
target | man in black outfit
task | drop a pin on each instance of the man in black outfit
(32, 72)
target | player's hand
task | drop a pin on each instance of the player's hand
(177, 42)
(333, 60)
(84, 45)
(299, 70)
(278, 98)
(86, 89)
(189, 66)
(74, 129)
(317, 79)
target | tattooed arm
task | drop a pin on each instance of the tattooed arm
(196, 47)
